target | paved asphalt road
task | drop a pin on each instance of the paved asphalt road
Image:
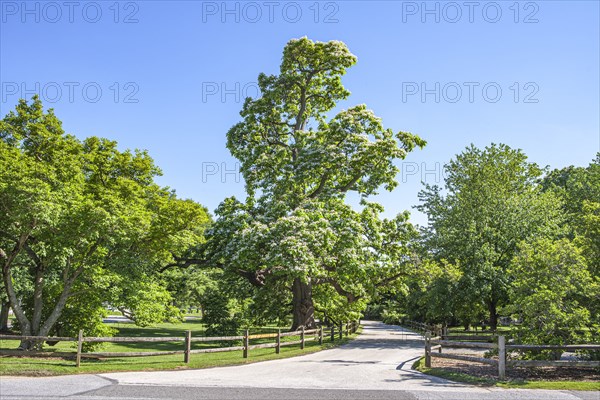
(374, 366)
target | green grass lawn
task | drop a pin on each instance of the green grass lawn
(166, 330)
(501, 330)
(36, 366)
(419, 365)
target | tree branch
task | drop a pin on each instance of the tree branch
(182, 262)
(351, 297)
(321, 186)
(390, 279)
(258, 278)
(349, 185)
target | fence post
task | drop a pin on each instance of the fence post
(427, 350)
(188, 347)
(502, 357)
(278, 343)
(332, 333)
(347, 330)
(321, 335)
(302, 338)
(246, 343)
(341, 330)
(79, 348)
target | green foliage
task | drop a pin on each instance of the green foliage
(589, 234)
(145, 302)
(298, 165)
(188, 286)
(225, 315)
(231, 304)
(550, 285)
(81, 220)
(85, 312)
(580, 190)
(577, 186)
(392, 317)
(502, 238)
(491, 202)
(444, 297)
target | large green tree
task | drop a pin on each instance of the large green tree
(82, 222)
(299, 164)
(490, 203)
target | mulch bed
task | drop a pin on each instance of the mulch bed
(530, 374)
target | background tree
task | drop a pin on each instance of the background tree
(579, 189)
(81, 217)
(490, 203)
(551, 283)
(188, 287)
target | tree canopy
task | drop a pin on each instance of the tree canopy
(490, 203)
(79, 218)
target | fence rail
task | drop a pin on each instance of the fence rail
(420, 326)
(442, 330)
(187, 340)
(467, 337)
(437, 343)
(38, 338)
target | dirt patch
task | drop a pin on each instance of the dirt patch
(529, 374)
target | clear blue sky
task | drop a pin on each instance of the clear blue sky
(174, 58)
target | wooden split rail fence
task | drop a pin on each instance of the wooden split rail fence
(470, 335)
(437, 343)
(424, 328)
(442, 331)
(418, 326)
(188, 339)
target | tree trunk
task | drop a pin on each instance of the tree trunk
(493, 315)
(24, 323)
(4, 317)
(38, 299)
(44, 329)
(303, 308)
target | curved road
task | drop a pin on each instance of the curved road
(374, 366)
